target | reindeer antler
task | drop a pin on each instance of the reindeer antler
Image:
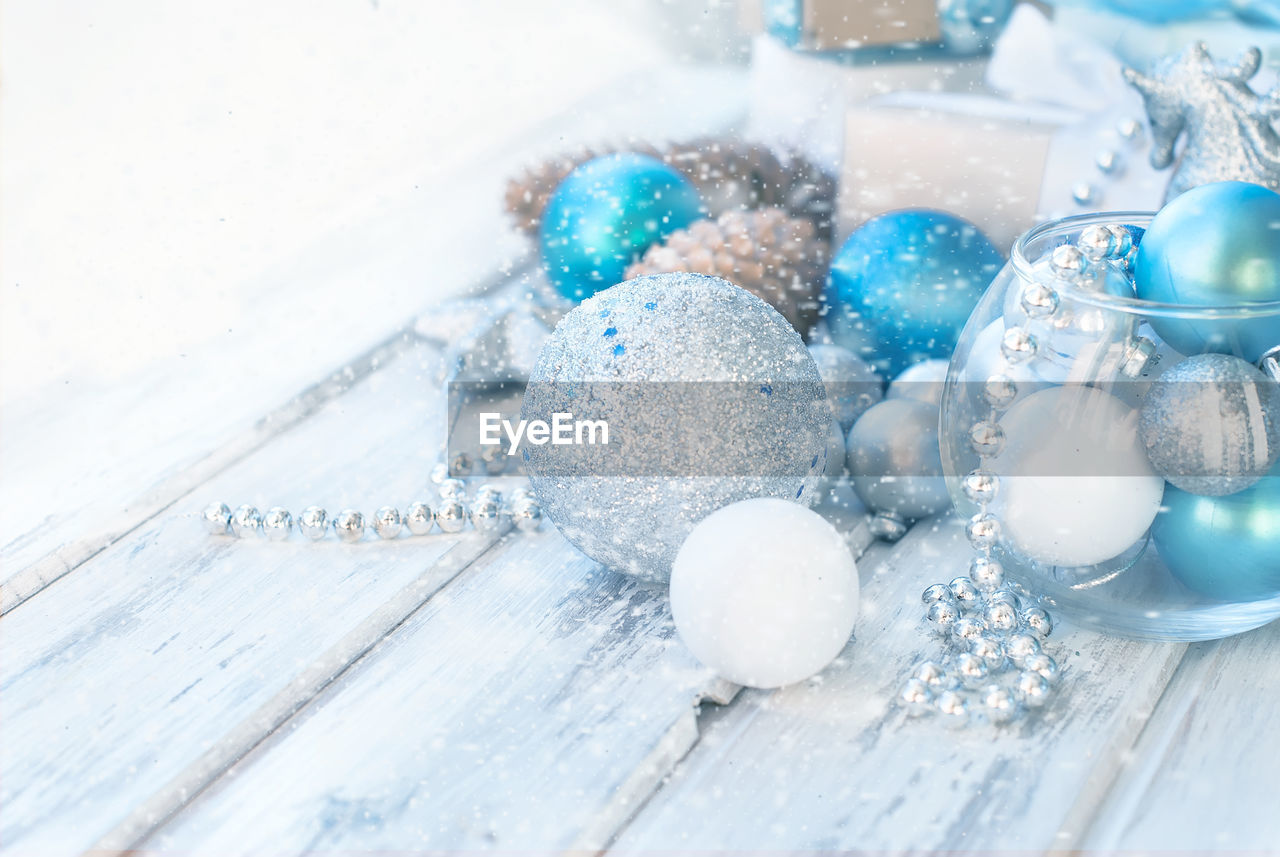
(1244, 68)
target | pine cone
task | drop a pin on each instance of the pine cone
(775, 257)
(729, 176)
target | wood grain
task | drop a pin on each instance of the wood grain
(171, 648)
(834, 764)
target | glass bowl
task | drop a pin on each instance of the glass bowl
(1055, 445)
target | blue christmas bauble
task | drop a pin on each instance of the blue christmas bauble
(1217, 244)
(1227, 548)
(605, 214)
(909, 279)
(710, 397)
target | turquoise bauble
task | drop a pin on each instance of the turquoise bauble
(1227, 548)
(605, 214)
(1217, 244)
(902, 286)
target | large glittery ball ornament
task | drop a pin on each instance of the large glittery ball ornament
(908, 279)
(894, 459)
(605, 214)
(971, 26)
(852, 385)
(764, 592)
(923, 381)
(1076, 487)
(710, 397)
(1218, 244)
(1211, 424)
(1226, 548)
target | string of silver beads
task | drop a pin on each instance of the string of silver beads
(452, 513)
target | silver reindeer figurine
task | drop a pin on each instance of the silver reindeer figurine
(1230, 135)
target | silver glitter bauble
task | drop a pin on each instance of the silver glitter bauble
(419, 518)
(314, 523)
(1229, 127)
(349, 525)
(1211, 424)
(216, 517)
(277, 523)
(246, 522)
(894, 459)
(714, 399)
(387, 522)
(852, 385)
(451, 516)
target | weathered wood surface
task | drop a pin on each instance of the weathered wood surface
(84, 464)
(833, 764)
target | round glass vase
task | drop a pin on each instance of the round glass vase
(1044, 398)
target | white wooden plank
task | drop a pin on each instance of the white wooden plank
(1202, 775)
(532, 705)
(84, 464)
(834, 764)
(170, 653)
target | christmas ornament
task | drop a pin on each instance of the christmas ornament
(717, 396)
(605, 214)
(773, 256)
(1226, 548)
(1076, 487)
(1211, 424)
(923, 381)
(730, 175)
(909, 279)
(1214, 245)
(895, 464)
(1230, 136)
(764, 592)
(852, 385)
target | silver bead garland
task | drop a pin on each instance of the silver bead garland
(994, 669)
(485, 512)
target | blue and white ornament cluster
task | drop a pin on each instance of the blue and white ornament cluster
(453, 511)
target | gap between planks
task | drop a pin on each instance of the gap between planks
(39, 575)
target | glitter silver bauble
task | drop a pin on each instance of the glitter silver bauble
(852, 384)
(419, 518)
(349, 525)
(894, 459)
(1211, 424)
(666, 359)
(314, 523)
(1229, 127)
(246, 522)
(216, 517)
(277, 523)
(451, 516)
(387, 522)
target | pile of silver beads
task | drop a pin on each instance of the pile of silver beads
(453, 511)
(993, 667)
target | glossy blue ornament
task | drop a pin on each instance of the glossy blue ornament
(605, 214)
(1227, 548)
(904, 283)
(1214, 245)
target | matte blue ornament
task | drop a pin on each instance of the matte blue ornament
(1227, 548)
(903, 285)
(1217, 244)
(605, 214)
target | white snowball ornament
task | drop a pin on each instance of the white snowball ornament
(764, 592)
(1076, 488)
